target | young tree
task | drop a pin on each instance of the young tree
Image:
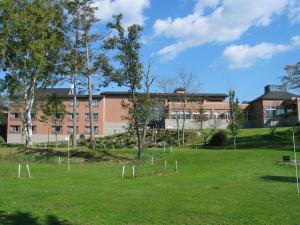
(235, 117)
(53, 112)
(31, 48)
(130, 74)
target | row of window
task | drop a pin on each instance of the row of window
(54, 129)
(95, 103)
(57, 116)
(206, 114)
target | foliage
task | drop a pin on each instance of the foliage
(292, 77)
(2, 140)
(126, 46)
(32, 43)
(218, 139)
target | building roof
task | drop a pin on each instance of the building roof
(276, 96)
(61, 92)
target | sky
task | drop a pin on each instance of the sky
(230, 44)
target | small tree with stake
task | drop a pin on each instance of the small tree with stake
(235, 116)
(130, 72)
(53, 111)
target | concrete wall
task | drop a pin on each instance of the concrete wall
(111, 128)
(193, 124)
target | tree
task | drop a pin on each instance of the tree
(31, 47)
(235, 117)
(126, 46)
(53, 112)
(292, 77)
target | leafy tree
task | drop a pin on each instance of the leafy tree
(235, 117)
(53, 112)
(32, 41)
(292, 77)
(126, 46)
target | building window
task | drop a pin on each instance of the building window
(180, 115)
(58, 116)
(33, 127)
(274, 112)
(95, 116)
(70, 129)
(95, 102)
(71, 117)
(71, 103)
(57, 129)
(15, 115)
(15, 129)
(247, 115)
(87, 129)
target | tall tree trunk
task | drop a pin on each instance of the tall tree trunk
(92, 135)
(29, 100)
(234, 142)
(178, 130)
(74, 141)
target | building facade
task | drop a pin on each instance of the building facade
(276, 105)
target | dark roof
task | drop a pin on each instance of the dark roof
(60, 92)
(170, 94)
(276, 96)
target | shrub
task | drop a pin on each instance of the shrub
(2, 140)
(82, 140)
(218, 139)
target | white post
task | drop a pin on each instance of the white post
(152, 160)
(164, 148)
(58, 160)
(165, 167)
(171, 148)
(296, 166)
(133, 174)
(67, 139)
(19, 171)
(176, 166)
(123, 171)
(28, 170)
(196, 147)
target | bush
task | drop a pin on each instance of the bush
(218, 139)
(2, 140)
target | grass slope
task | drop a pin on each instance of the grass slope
(211, 187)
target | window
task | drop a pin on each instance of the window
(33, 127)
(57, 129)
(247, 115)
(274, 112)
(15, 129)
(15, 115)
(87, 116)
(180, 115)
(95, 102)
(58, 116)
(71, 103)
(70, 129)
(87, 129)
(71, 117)
(95, 116)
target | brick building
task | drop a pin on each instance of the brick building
(275, 105)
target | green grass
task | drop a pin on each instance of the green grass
(212, 186)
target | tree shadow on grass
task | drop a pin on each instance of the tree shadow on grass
(25, 218)
(280, 179)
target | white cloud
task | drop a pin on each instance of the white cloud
(245, 56)
(132, 10)
(215, 21)
(294, 11)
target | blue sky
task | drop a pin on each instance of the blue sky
(237, 44)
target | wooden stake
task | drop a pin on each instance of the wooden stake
(123, 171)
(171, 148)
(28, 170)
(152, 160)
(133, 172)
(19, 171)
(176, 166)
(165, 167)
(58, 160)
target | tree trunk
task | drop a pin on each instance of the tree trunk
(74, 140)
(29, 99)
(92, 135)
(178, 130)
(234, 142)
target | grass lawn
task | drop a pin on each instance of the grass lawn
(211, 187)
